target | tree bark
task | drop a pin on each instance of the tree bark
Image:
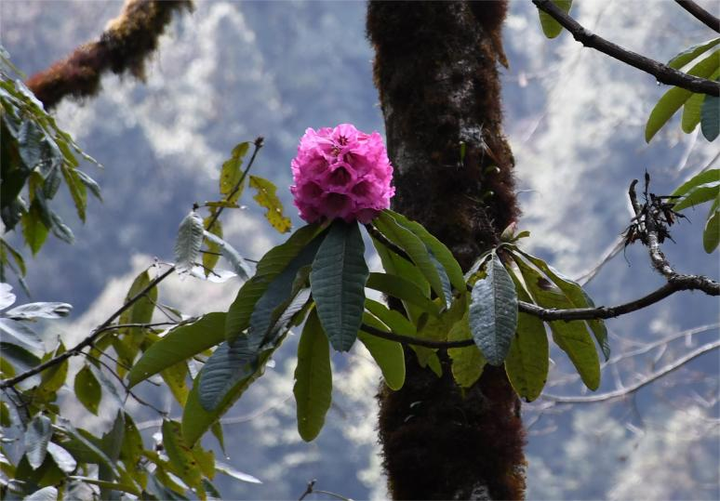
(436, 73)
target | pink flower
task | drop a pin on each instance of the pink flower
(341, 172)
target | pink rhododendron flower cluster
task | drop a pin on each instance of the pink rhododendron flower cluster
(341, 172)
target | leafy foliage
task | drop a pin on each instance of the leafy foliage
(551, 28)
(36, 158)
(701, 188)
(697, 108)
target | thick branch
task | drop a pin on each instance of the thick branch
(663, 74)
(124, 46)
(622, 392)
(700, 14)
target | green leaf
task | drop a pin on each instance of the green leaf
(77, 190)
(132, 445)
(89, 183)
(691, 112)
(403, 289)
(691, 53)
(34, 230)
(551, 28)
(269, 267)
(528, 360)
(313, 379)
(414, 247)
(467, 362)
(337, 280)
(174, 376)
(37, 438)
(710, 117)
(18, 356)
(179, 344)
(12, 331)
(673, 99)
(239, 265)
(393, 319)
(577, 297)
(189, 241)
(493, 312)
(196, 420)
(88, 390)
(701, 194)
(19, 261)
(111, 443)
(61, 230)
(267, 198)
(572, 337)
(210, 258)
(387, 354)
(703, 177)
(180, 454)
(231, 173)
(711, 235)
(141, 312)
(437, 249)
(217, 430)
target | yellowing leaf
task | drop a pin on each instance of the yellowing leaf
(267, 198)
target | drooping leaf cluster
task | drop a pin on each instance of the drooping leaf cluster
(36, 159)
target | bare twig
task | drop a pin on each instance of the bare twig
(700, 14)
(663, 73)
(629, 390)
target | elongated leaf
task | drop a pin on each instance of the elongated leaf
(63, 459)
(12, 331)
(467, 362)
(673, 99)
(20, 358)
(551, 28)
(701, 194)
(34, 230)
(228, 251)
(188, 243)
(387, 354)
(577, 297)
(17, 257)
(691, 112)
(337, 280)
(212, 256)
(196, 420)
(37, 438)
(572, 337)
(313, 379)
(231, 173)
(398, 287)
(704, 177)
(228, 470)
(414, 247)
(179, 344)
(108, 486)
(180, 454)
(267, 198)
(438, 250)
(710, 117)
(89, 183)
(493, 312)
(175, 377)
(228, 365)
(269, 267)
(111, 443)
(88, 390)
(711, 234)
(528, 360)
(691, 53)
(77, 190)
(132, 444)
(30, 311)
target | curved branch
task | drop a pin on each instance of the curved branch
(124, 46)
(635, 387)
(700, 14)
(663, 74)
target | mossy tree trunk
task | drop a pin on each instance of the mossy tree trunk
(436, 73)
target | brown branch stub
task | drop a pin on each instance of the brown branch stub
(663, 74)
(125, 45)
(700, 14)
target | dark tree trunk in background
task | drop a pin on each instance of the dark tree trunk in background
(436, 72)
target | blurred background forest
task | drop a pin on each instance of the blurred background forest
(232, 71)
